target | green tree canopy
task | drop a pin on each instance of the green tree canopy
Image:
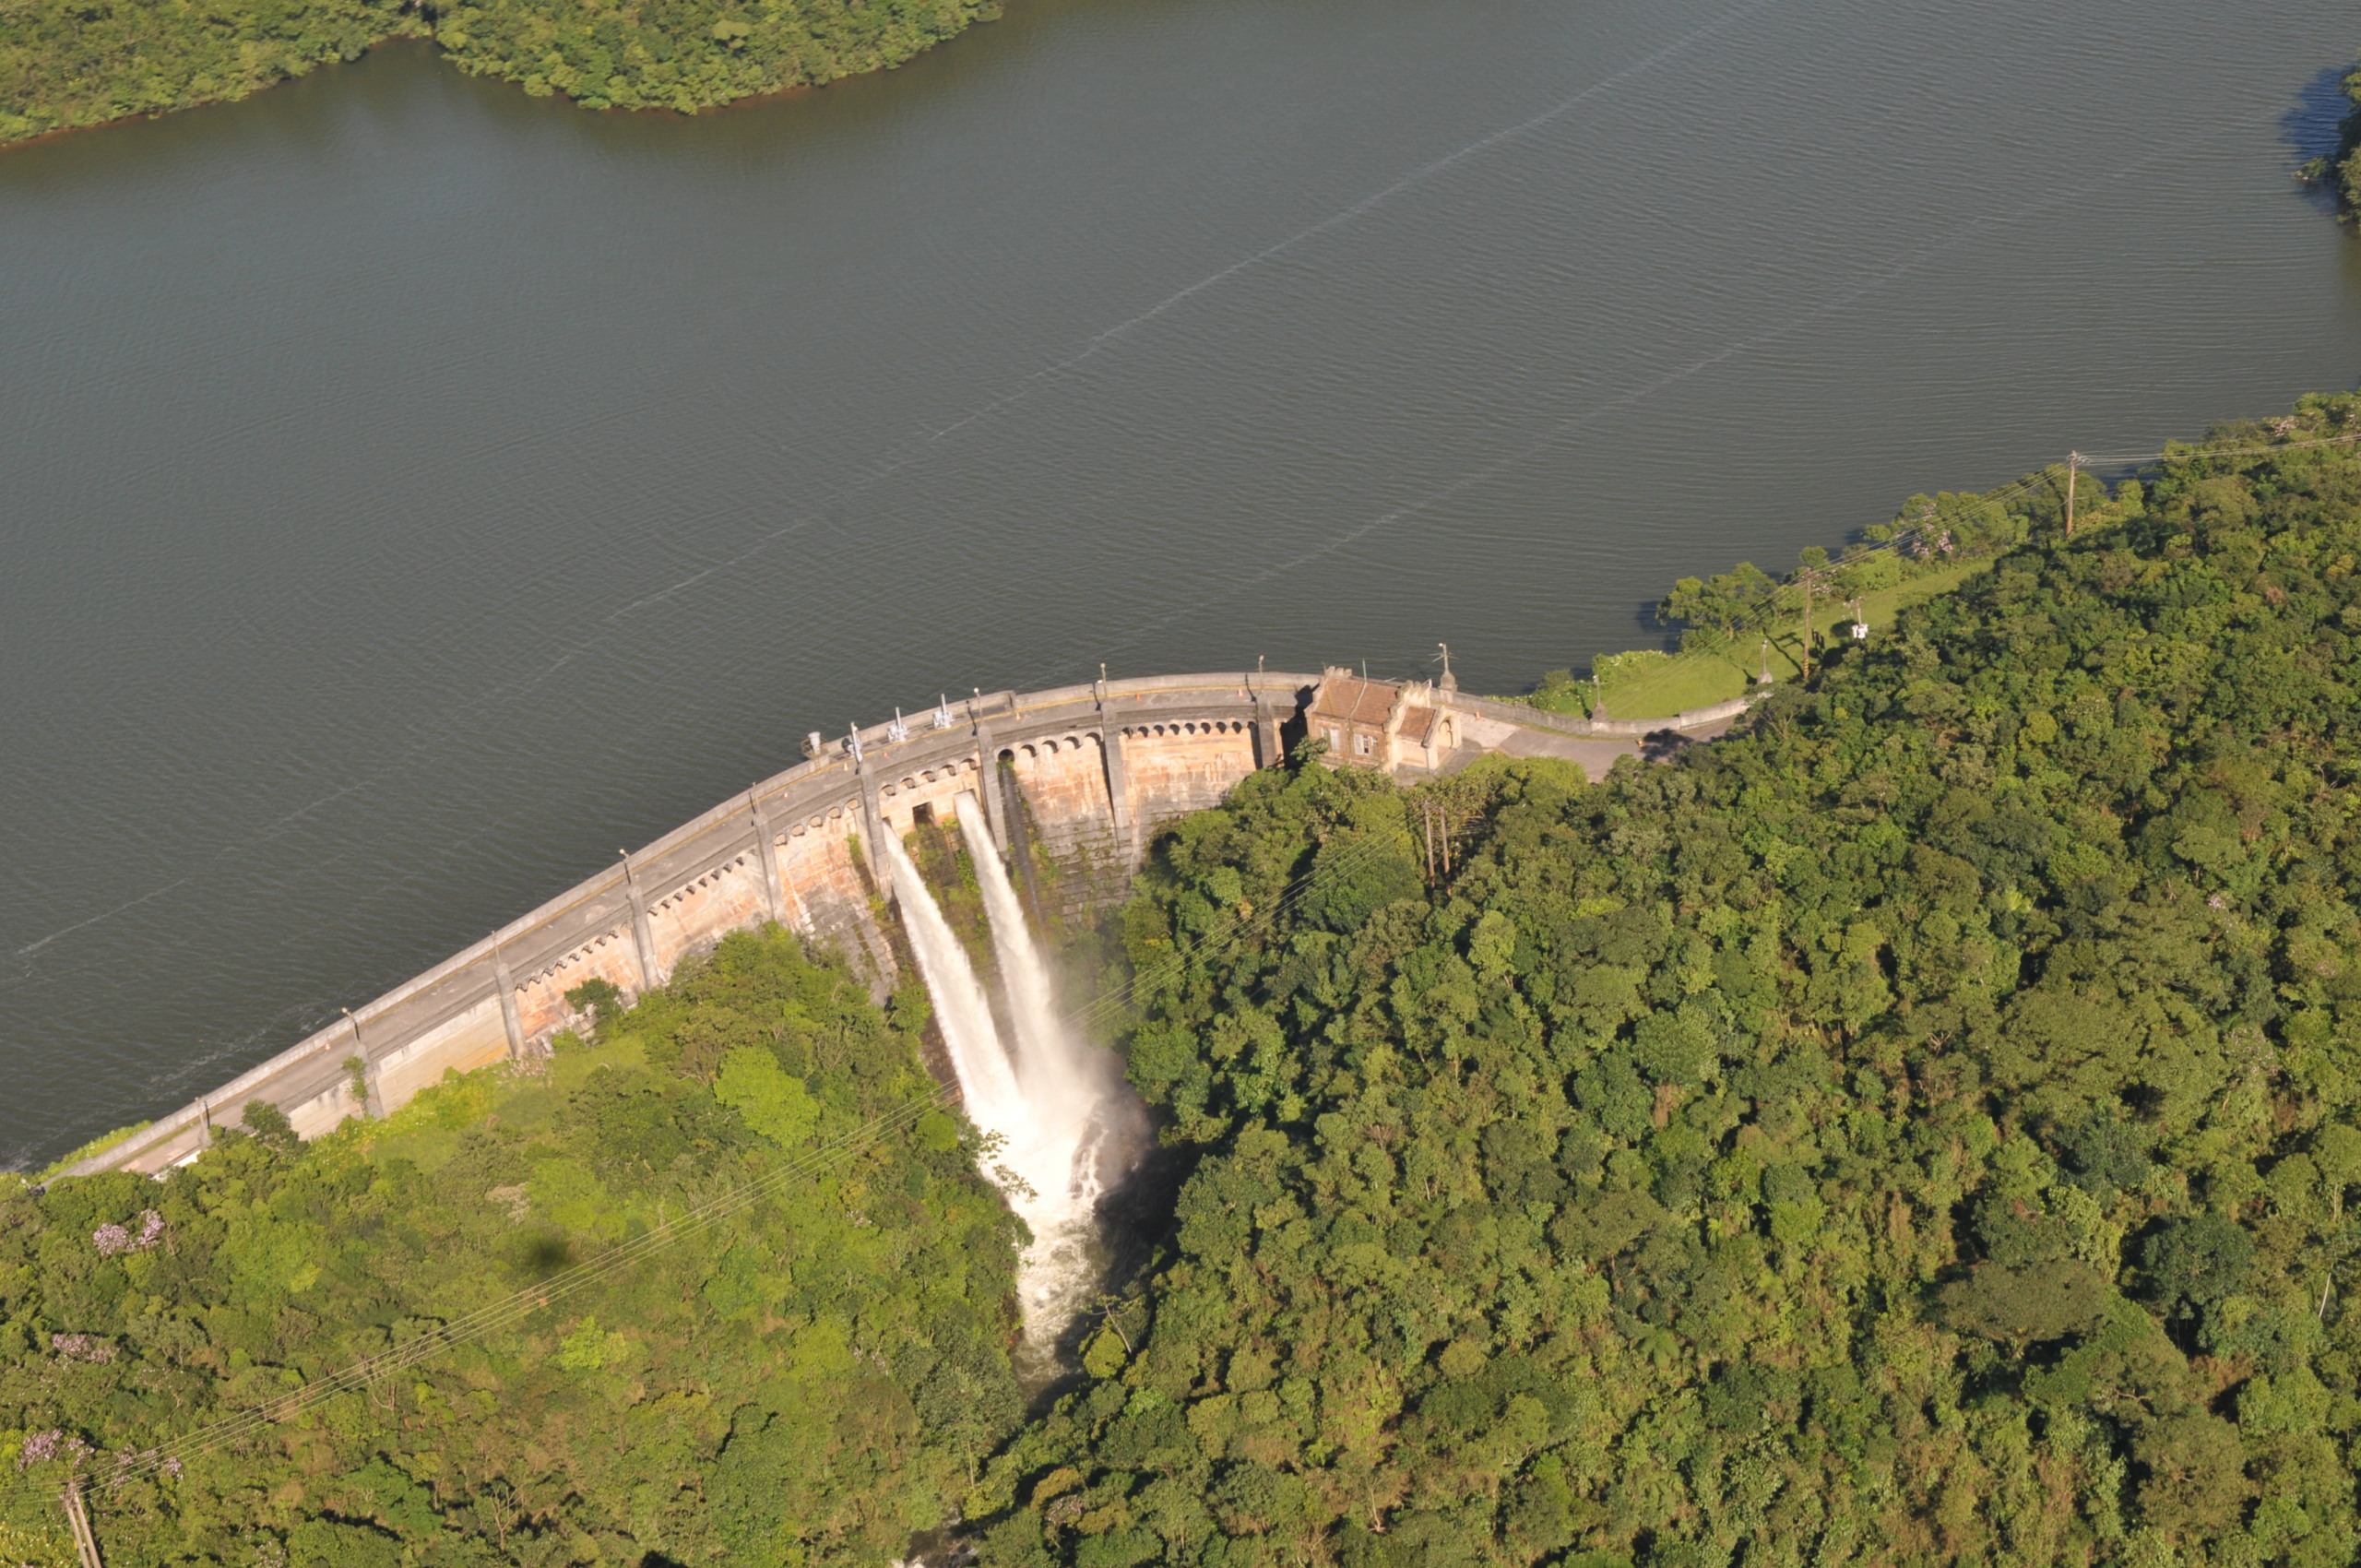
(810, 1376)
(69, 63)
(1905, 1132)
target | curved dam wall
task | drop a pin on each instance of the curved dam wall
(1093, 769)
(1088, 772)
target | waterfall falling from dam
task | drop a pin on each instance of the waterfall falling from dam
(1067, 1123)
(986, 1078)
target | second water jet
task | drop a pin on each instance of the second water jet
(1068, 1126)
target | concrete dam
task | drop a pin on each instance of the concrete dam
(1089, 774)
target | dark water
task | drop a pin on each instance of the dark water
(410, 492)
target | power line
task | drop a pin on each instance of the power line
(1903, 538)
(1938, 522)
(914, 448)
(520, 1304)
(517, 1306)
(2188, 449)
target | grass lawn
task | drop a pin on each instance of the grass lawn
(1676, 682)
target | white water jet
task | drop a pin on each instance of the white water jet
(1052, 1065)
(1070, 1087)
(961, 1009)
(1060, 1107)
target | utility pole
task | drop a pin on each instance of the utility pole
(766, 852)
(1806, 662)
(512, 1022)
(2073, 468)
(86, 1541)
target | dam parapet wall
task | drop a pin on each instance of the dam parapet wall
(1098, 768)
(1086, 776)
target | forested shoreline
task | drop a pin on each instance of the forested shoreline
(66, 64)
(813, 1376)
(1744, 621)
(1917, 1128)
(2340, 170)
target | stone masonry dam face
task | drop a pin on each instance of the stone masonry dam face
(1093, 771)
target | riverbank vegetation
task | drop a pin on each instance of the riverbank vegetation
(70, 63)
(98, 1145)
(814, 1377)
(1923, 1128)
(2340, 172)
(1745, 623)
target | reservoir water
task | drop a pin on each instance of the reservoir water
(410, 492)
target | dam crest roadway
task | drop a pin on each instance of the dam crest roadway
(1088, 774)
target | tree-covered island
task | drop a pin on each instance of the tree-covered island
(1917, 1128)
(70, 63)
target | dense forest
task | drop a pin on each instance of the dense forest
(1917, 1130)
(814, 1377)
(69, 63)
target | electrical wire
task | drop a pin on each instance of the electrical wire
(520, 1304)
(908, 452)
(913, 449)
(1937, 524)
(513, 1308)
(2173, 450)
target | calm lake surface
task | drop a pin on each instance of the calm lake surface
(410, 492)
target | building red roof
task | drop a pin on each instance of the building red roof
(1354, 700)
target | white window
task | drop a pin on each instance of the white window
(1365, 744)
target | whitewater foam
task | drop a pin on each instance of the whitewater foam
(1064, 1119)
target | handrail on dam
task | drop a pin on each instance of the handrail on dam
(1099, 764)
(597, 910)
